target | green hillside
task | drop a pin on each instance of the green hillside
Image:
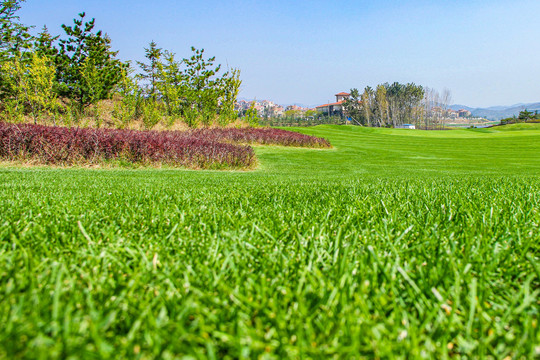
(395, 244)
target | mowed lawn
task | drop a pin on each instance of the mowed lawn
(395, 244)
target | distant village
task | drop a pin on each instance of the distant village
(266, 108)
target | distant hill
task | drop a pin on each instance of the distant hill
(498, 112)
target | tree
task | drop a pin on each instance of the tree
(14, 36)
(353, 108)
(87, 68)
(14, 40)
(129, 106)
(43, 44)
(251, 116)
(230, 87)
(412, 98)
(382, 112)
(446, 98)
(203, 91)
(526, 115)
(367, 104)
(32, 83)
(395, 94)
(150, 71)
(430, 103)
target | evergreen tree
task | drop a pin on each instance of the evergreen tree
(44, 44)
(14, 36)
(150, 71)
(352, 107)
(171, 84)
(230, 87)
(87, 68)
(14, 40)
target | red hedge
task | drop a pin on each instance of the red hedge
(203, 148)
(265, 136)
(67, 146)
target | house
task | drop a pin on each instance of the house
(342, 96)
(295, 108)
(276, 111)
(452, 114)
(335, 108)
(464, 113)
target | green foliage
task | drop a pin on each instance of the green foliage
(14, 36)
(128, 106)
(251, 116)
(394, 245)
(150, 71)
(87, 69)
(230, 86)
(15, 40)
(190, 88)
(71, 115)
(44, 44)
(12, 111)
(289, 113)
(526, 115)
(202, 88)
(171, 84)
(32, 84)
(151, 114)
(381, 111)
(353, 107)
(402, 101)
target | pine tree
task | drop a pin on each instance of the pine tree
(150, 71)
(15, 40)
(352, 107)
(87, 68)
(44, 44)
(14, 36)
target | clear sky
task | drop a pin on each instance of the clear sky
(486, 52)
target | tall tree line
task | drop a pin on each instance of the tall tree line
(392, 105)
(47, 76)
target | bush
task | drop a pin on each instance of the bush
(263, 136)
(71, 146)
(200, 148)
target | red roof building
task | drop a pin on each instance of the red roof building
(336, 107)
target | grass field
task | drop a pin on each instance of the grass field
(395, 244)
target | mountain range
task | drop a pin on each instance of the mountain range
(498, 112)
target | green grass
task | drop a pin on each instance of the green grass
(394, 244)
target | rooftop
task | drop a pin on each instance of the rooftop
(336, 103)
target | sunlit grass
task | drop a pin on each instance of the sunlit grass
(388, 246)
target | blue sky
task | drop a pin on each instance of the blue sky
(486, 52)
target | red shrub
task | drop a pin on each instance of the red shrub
(202, 148)
(264, 136)
(58, 145)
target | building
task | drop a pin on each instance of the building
(452, 114)
(335, 108)
(342, 96)
(464, 113)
